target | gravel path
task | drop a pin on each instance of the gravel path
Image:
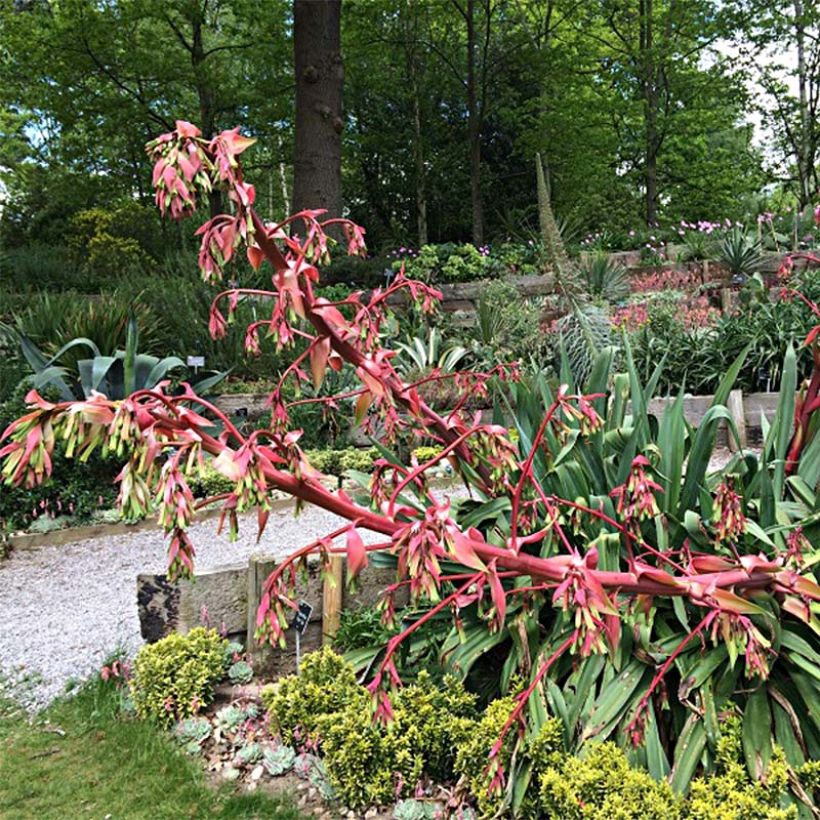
(64, 609)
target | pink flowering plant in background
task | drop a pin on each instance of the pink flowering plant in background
(587, 570)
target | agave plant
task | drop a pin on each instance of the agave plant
(583, 333)
(115, 376)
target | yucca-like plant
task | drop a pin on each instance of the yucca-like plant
(598, 570)
(740, 252)
(602, 277)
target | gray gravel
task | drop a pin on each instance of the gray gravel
(65, 609)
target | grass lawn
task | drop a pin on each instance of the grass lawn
(108, 766)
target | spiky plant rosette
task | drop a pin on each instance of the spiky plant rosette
(636, 598)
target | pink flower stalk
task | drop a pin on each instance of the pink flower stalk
(730, 522)
(636, 498)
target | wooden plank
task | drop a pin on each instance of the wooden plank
(734, 405)
(332, 595)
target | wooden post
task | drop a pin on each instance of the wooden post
(725, 299)
(734, 405)
(332, 595)
(259, 568)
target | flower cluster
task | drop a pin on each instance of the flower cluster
(729, 520)
(636, 497)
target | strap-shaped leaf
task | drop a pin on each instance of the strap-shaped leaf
(757, 733)
(688, 751)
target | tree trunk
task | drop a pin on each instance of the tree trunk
(650, 101)
(804, 158)
(418, 157)
(474, 129)
(317, 162)
(207, 114)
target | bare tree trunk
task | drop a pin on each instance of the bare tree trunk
(317, 163)
(804, 158)
(474, 129)
(418, 157)
(207, 114)
(650, 95)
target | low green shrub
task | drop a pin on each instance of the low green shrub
(367, 762)
(325, 685)
(372, 764)
(448, 263)
(175, 677)
(601, 784)
(338, 462)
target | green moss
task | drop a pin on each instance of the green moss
(174, 677)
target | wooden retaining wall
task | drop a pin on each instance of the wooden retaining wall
(227, 599)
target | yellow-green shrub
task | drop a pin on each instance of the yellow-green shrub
(370, 763)
(602, 786)
(175, 676)
(472, 757)
(600, 783)
(728, 794)
(325, 685)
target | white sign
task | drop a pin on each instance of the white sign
(196, 361)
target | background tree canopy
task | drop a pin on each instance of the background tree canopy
(639, 108)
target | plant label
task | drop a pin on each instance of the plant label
(303, 614)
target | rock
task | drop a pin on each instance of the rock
(257, 772)
(312, 793)
(230, 773)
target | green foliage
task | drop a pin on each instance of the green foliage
(419, 356)
(699, 356)
(116, 376)
(603, 785)
(447, 263)
(603, 278)
(507, 327)
(371, 764)
(472, 759)
(360, 628)
(174, 677)
(325, 685)
(53, 319)
(338, 462)
(697, 245)
(740, 252)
